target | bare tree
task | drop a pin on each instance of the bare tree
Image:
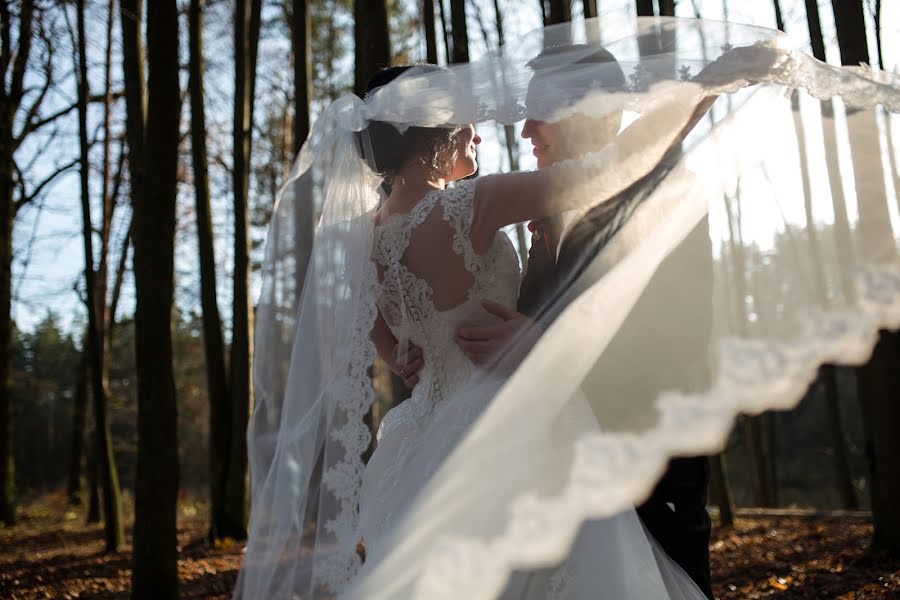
(560, 12)
(430, 32)
(878, 380)
(246, 35)
(372, 41)
(444, 31)
(155, 572)
(644, 8)
(460, 32)
(96, 304)
(21, 107)
(213, 342)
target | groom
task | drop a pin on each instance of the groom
(562, 246)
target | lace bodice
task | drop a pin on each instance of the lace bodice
(407, 302)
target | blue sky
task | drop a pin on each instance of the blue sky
(48, 238)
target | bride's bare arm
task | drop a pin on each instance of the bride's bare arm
(404, 360)
(586, 181)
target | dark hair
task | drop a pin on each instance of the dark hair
(585, 68)
(387, 149)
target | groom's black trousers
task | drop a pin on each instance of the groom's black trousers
(675, 514)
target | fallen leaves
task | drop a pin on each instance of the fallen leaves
(786, 557)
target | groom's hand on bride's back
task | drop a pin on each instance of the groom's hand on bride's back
(483, 344)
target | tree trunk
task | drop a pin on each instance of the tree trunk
(667, 8)
(560, 12)
(304, 219)
(7, 215)
(644, 8)
(590, 8)
(430, 33)
(460, 31)
(372, 41)
(246, 32)
(213, 343)
(878, 381)
(155, 572)
(779, 18)
(721, 490)
(79, 419)
(10, 100)
(878, 45)
(827, 372)
(108, 477)
(444, 31)
(850, 22)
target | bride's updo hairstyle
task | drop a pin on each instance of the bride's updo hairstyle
(387, 150)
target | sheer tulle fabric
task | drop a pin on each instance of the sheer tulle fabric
(735, 262)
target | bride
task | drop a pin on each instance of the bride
(461, 467)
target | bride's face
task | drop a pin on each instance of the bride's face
(466, 161)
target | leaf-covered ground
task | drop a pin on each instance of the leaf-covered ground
(52, 554)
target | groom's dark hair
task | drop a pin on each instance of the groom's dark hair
(576, 70)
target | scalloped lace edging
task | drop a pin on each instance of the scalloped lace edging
(344, 478)
(610, 470)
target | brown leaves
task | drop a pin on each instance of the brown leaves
(52, 555)
(800, 557)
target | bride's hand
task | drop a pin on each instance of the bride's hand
(482, 344)
(407, 362)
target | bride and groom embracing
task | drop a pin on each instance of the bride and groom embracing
(442, 255)
(424, 275)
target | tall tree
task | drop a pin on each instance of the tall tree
(878, 381)
(444, 31)
(430, 33)
(246, 36)
(79, 419)
(560, 12)
(96, 294)
(460, 32)
(372, 41)
(19, 119)
(155, 572)
(827, 374)
(220, 407)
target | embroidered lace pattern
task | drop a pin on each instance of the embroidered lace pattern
(406, 302)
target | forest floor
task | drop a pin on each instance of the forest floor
(51, 553)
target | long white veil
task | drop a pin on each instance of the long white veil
(793, 271)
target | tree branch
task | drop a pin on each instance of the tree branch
(6, 49)
(26, 18)
(26, 198)
(34, 126)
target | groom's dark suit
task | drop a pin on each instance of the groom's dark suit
(681, 350)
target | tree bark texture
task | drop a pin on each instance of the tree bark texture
(460, 31)
(10, 101)
(430, 32)
(109, 481)
(213, 342)
(372, 41)
(155, 573)
(246, 35)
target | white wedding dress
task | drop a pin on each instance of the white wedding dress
(611, 558)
